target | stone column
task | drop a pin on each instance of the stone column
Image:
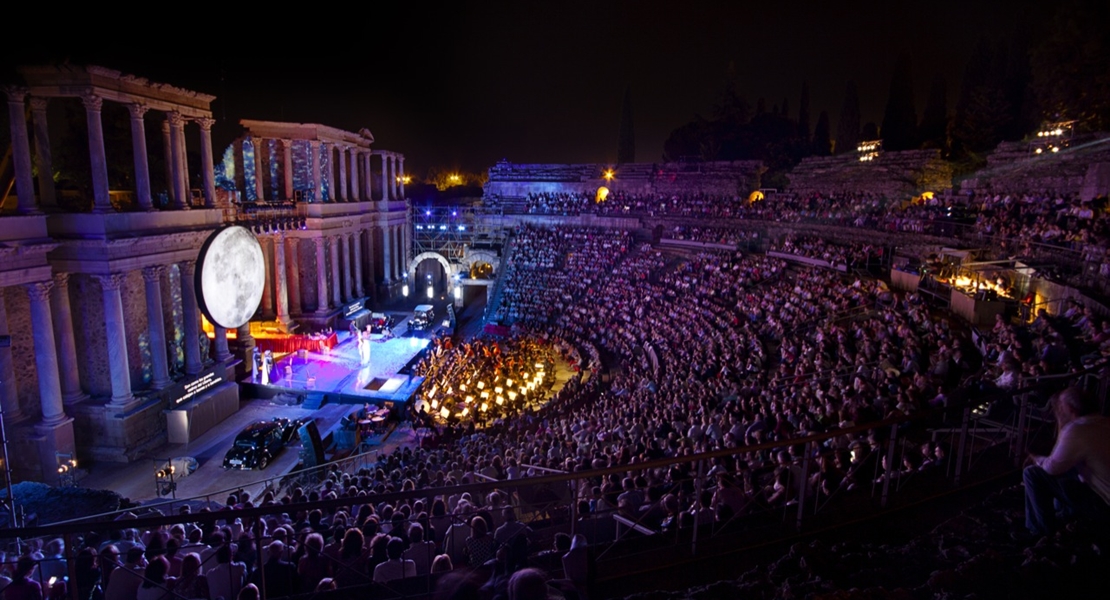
(267, 306)
(336, 298)
(348, 274)
(393, 181)
(64, 341)
(156, 326)
(360, 290)
(367, 188)
(98, 163)
(293, 263)
(385, 178)
(387, 257)
(21, 151)
(116, 333)
(9, 392)
(46, 355)
(142, 163)
(186, 181)
(287, 167)
(47, 196)
(317, 183)
(371, 265)
(167, 159)
(401, 175)
(259, 175)
(222, 351)
(356, 191)
(208, 166)
(193, 364)
(281, 283)
(406, 241)
(341, 158)
(321, 276)
(177, 160)
(330, 174)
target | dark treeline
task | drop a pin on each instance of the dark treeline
(1039, 73)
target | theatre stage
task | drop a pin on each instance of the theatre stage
(340, 376)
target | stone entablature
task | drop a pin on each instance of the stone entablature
(313, 163)
(75, 80)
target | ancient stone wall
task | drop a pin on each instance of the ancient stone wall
(724, 178)
(23, 350)
(892, 174)
(89, 335)
(1015, 167)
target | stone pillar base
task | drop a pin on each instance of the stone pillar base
(105, 433)
(52, 440)
(242, 354)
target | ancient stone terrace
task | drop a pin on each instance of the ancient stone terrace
(1083, 169)
(892, 174)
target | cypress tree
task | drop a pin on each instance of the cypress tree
(822, 145)
(626, 141)
(803, 115)
(934, 121)
(899, 128)
(847, 128)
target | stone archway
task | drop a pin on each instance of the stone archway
(479, 256)
(448, 269)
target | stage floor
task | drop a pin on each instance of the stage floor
(342, 377)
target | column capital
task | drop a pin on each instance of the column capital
(188, 267)
(40, 290)
(153, 273)
(38, 103)
(175, 119)
(137, 110)
(205, 123)
(314, 144)
(110, 281)
(319, 241)
(92, 101)
(16, 93)
(285, 143)
(61, 280)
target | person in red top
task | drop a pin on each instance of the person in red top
(1075, 477)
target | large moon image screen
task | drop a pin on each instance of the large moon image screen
(230, 276)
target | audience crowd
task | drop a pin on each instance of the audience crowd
(672, 353)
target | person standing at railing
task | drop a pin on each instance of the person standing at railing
(1075, 477)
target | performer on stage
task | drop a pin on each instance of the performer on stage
(364, 346)
(256, 363)
(267, 366)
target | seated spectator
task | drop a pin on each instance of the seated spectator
(1076, 475)
(396, 567)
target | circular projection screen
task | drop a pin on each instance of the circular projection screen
(230, 276)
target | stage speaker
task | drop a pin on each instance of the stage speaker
(312, 449)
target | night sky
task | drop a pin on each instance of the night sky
(466, 84)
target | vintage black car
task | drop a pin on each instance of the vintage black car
(423, 317)
(258, 444)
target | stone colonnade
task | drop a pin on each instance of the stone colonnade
(343, 170)
(174, 146)
(344, 259)
(55, 349)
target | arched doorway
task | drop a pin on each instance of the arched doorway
(431, 269)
